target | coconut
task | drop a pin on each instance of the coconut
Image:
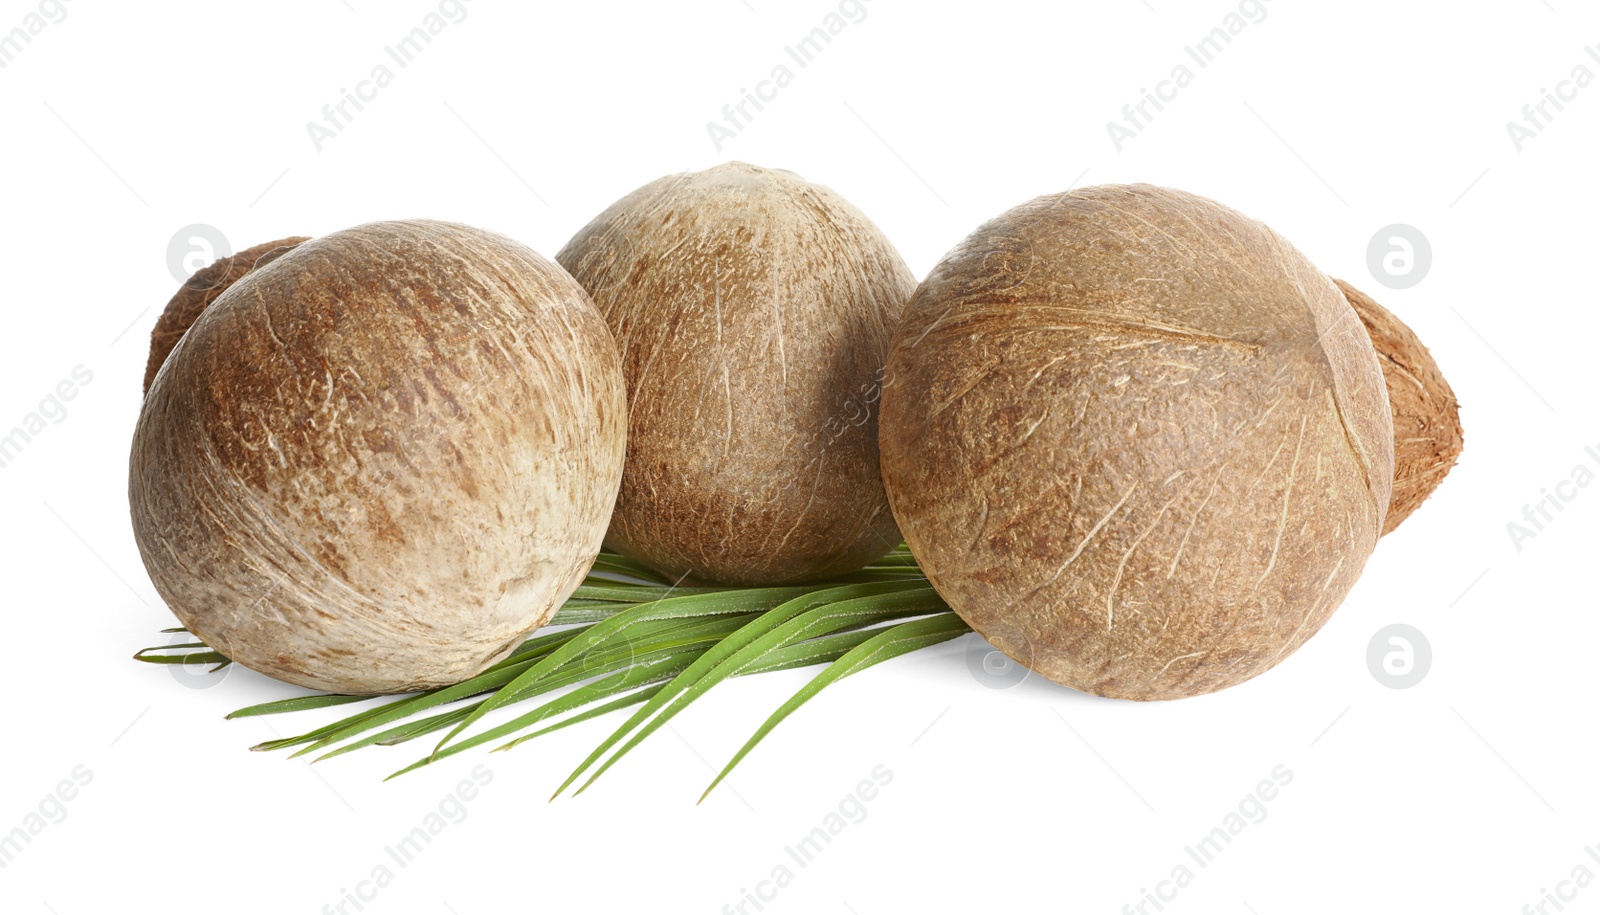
(376, 463)
(1136, 440)
(197, 294)
(753, 311)
(1427, 419)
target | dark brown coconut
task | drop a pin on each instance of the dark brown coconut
(375, 464)
(196, 294)
(753, 311)
(1136, 440)
(1427, 419)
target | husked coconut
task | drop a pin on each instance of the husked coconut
(753, 311)
(376, 463)
(1136, 440)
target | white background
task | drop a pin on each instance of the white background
(123, 123)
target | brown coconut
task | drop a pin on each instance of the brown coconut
(199, 291)
(753, 311)
(1136, 440)
(375, 464)
(1427, 419)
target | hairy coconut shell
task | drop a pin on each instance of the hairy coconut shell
(197, 294)
(1427, 419)
(753, 311)
(377, 463)
(1136, 440)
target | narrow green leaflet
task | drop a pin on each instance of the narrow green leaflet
(585, 612)
(780, 628)
(627, 637)
(191, 653)
(679, 638)
(297, 704)
(601, 589)
(411, 730)
(525, 654)
(900, 559)
(496, 677)
(621, 565)
(592, 712)
(193, 657)
(139, 655)
(536, 645)
(891, 643)
(624, 680)
(283, 743)
(762, 625)
(694, 605)
(805, 654)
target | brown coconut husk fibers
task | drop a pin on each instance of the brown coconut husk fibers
(1427, 418)
(197, 294)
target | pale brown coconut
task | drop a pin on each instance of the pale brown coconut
(753, 311)
(199, 291)
(1427, 419)
(1136, 440)
(375, 464)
